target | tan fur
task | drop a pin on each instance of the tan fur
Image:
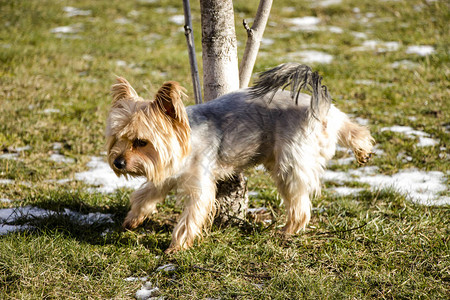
(357, 138)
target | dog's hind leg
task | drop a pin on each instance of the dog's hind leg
(199, 209)
(143, 203)
(297, 203)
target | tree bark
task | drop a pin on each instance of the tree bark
(219, 48)
(254, 35)
(221, 76)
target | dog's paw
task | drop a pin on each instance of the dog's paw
(131, 222)
(294, 226)
(363, 157)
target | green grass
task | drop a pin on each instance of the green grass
(374, 245)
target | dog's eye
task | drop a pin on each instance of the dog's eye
(139, 143)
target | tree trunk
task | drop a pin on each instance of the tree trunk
(219, 48)
(221, 76)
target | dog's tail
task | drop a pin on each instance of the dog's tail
(299, 78)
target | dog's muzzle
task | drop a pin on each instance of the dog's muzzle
(120, 163)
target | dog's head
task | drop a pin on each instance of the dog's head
(147, 138)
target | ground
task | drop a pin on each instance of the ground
(376, 231)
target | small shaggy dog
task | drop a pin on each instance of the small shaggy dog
(189, 149)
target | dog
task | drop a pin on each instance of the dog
(189, 149)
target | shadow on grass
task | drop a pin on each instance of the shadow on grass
(92, 218)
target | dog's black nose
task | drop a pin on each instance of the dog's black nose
(120, 163)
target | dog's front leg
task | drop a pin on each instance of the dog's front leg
(199, 206)
(143, 203)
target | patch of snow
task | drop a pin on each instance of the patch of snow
(6, 181)
(325, 3)
(145, 278)
(253, 193)
(288, 9)
(373, 82)
(72, 12)
(102, 176)
(167, 268)
(341, 161)
(346, 191)
(177, 19)
(307, 23)
(267, 41)
(365, 82)
(11, 156)
(121, 63)
(362, 121)
(359, 35)
(422, 50)
(57, 146)
(147, 293)
(11, 215)
(335, 29)
(51, 111)
(427, 142)
(379, 46)
(424, 138)
(420, 186)
(22, 149)
(59, 158)
(134, 13)
(166, 10)
(260, 168)
(122, 21)
(404, 64)
(67, 29)
(257, 210)
(311, 56)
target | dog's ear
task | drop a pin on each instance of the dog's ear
(169, 99)
(122, 89)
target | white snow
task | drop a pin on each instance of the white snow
(420, 186)
(379, 46)
(424, 138)
(405, 64)
(67, 29)
(6, 181)
(72, 12)
(10, 215)
(307, 23)
(167, 268)
(145, 278)
(12, 156)
(51, 111)
(422, 50)
(257, 210)
(253, 193)
(59, 158)
(325, 3)
(101, 175)
(359, 35)
(122, 21)
(310, 56)
(177, 19)
(346, 191)
(335, 29)
(267, 42)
